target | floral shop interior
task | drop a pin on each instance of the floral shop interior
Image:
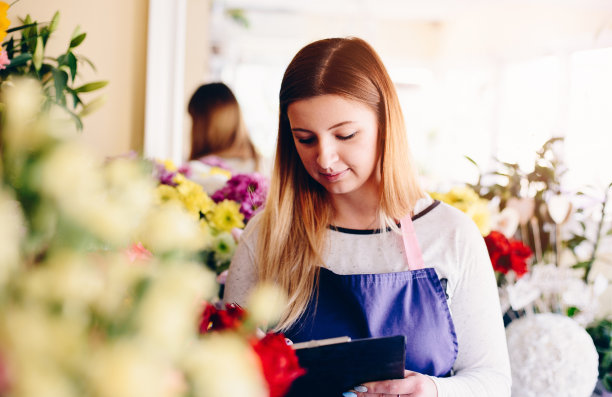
(118, 232)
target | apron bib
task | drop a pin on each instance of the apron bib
(410, 303)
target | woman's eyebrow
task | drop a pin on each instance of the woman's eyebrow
(330, 128)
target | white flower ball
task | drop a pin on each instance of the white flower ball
(551, 355)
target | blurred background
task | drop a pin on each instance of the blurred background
(482, 79)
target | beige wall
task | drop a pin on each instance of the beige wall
(116, 43)
(196, 58)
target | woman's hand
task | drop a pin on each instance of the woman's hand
(414, 384)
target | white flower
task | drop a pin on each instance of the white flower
(551, 356)
(266, 304)
(170, 227)
(126, 370)
(169, 312)
(12, 230)
(222, 365)
(522, 293)
(506, 221)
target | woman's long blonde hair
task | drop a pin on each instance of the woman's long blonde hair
(217, 123)
(298, 211)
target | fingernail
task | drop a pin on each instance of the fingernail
(349, 394)
(361, 389)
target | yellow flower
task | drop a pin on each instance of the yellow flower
(468, 201)
(4, 21)
(166, 193)
(169, 165)
(226, 216)
(193, 197)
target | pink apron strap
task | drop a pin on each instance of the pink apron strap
(411, 245)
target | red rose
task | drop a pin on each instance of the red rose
(279, 363)
(507, 254)
(519, 254)
(498, 247)
(213, 319)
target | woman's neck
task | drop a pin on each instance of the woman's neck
(356, 211)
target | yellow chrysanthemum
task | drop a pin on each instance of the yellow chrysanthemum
(169, 164)
(468, 201)
(166, 193)
(226, 215)
(194, 197)
(4, 21)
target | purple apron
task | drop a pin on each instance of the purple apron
(410, 303)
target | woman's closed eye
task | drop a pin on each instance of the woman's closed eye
(346, 137)
(306, 141)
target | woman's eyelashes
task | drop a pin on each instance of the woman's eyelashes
(346, 137)
(311, 140)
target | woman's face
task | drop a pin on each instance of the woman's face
(336, 139)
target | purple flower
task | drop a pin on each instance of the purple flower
(185, 170)
(165, 177)
(250, 190)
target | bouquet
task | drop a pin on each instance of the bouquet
(222, 216)
(81, 315)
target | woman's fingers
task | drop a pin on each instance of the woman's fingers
(413, 384)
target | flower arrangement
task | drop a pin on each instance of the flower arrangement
(217, 219)
(551, 356)
(278, 360)
(79, 314)
(25, 55)
(223, 214)
(549, 246)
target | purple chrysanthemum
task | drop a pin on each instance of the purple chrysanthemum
(250, 190)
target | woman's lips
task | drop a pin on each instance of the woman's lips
(332, 177)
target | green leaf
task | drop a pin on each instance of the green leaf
(17, 28)
(77, 40)
(96, 85)
(60, 79)
(74, 116)
(72, 64)
(92, 106)
(572, 311)
(76, 32)
(472, 161)
(606, 360)
(19, 60)
(582, 265)
(607, 382)
(54, 22)
(75, 100)
(88, 61)
(38, 54)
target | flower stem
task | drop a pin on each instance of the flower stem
(598, 237)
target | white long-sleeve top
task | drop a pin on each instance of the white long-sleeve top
(450, 243)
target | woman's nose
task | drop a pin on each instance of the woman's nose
(327, 155)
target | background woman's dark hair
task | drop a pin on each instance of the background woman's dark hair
(217, 122)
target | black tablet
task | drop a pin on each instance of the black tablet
(335, 366)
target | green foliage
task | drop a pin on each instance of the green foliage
(601, 332)
(509, 180)
(26, 50)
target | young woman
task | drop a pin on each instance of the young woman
(358, 246)
(218, 133)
